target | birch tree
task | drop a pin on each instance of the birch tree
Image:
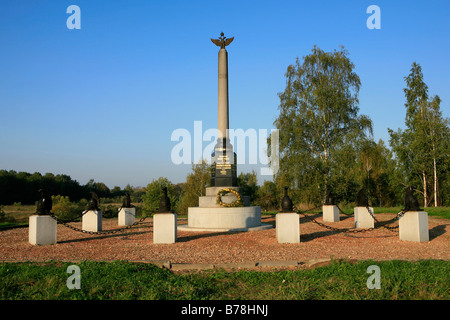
(422, 148)
(318, 109)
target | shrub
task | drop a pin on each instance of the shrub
(4, 217)
(109, 211)
(64, 209)
(18, 205)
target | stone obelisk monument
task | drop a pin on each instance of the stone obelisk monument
(224, 172)
(223, 123)
(223, 208)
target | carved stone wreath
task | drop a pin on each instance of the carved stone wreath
(237, 203)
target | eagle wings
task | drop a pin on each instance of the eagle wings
(222, 41)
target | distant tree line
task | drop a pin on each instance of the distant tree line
(70, 197)
(24, 187)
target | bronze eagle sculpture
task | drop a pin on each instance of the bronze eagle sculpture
(223, 41)
(44, 205)
(94, 202)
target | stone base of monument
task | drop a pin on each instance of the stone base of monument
(42, 230)
(127, 216)
(363, 219)
(164, 228)
(92, 221)
(224, 219)
(330, 213)
(287, 227)
(210, 216)
(413, 226)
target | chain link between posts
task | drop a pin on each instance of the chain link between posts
(378, 224)
(112, 231)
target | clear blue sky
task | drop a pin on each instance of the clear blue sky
(103, 101)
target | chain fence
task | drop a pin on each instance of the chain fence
(112, 231)
(384, 224)
(343, 212)
(378, 224)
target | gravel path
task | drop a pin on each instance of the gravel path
(136, 244)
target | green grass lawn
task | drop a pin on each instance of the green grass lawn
(120, 280)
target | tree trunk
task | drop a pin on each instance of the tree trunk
(325, 187)
(435, 182)
(425, 197)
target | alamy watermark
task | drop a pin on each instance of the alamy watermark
(73, 281)
(74, 20)
(250, 146)
(374, 21)
(374, 281)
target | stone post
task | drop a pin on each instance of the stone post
(413, 226)
(42, 230)
(127, 216)
(330, 213)
(362, 217)
(164, 228)
(287, 227)
(92, 221)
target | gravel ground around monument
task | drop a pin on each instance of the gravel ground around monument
(317, 242)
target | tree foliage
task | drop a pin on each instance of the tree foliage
(24, 187)
(318, 113)
(249, 184)
(422, 148)
(268, 197)
(154, 192)
(196, 183)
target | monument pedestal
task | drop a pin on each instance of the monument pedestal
(287, 227)
(210, 216)
(42, 230)
(224, 219)
(330, 213)
(92, 221)
(164, 228)
(363, 219)
(127, 216)
(413, 226)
